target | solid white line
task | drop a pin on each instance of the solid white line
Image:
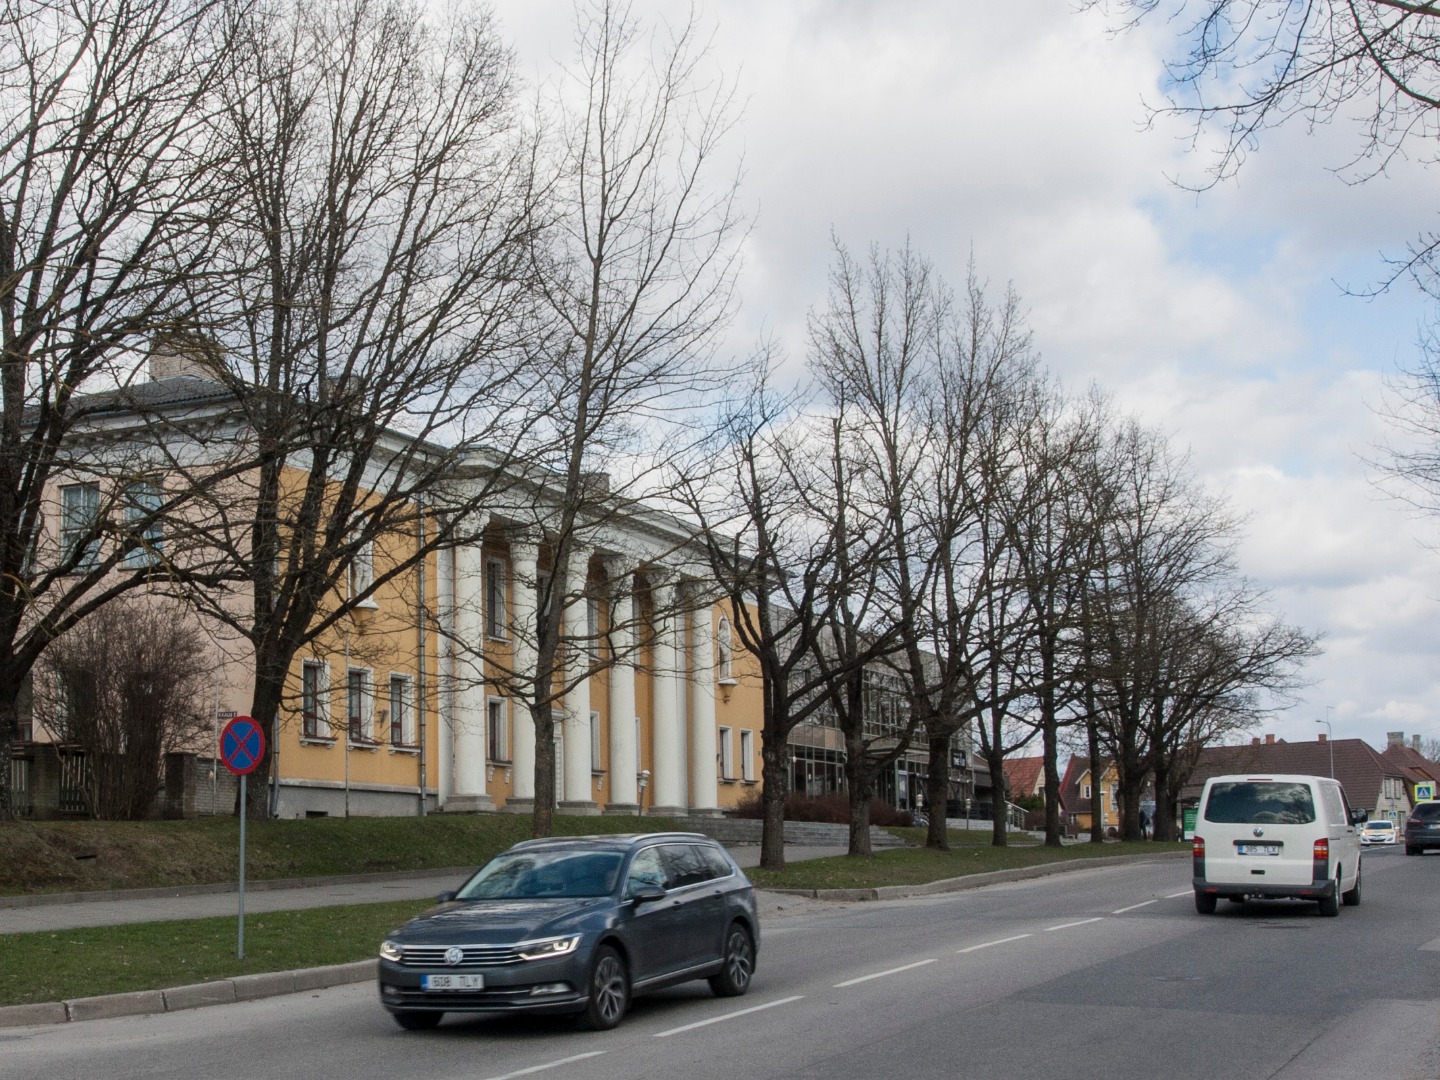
(551, 1065)
(1132, 907)
(1068, 925)
(1173, 895)
(882, 974)
(986, 945)
(727, 1016)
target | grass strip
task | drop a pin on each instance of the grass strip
(919, 866)
(80, 856)
(53, 966)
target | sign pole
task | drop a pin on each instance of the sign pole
(240, 947)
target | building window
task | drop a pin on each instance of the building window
(314, 700)
(79, 514)
(402, 719)
(495, 598)
(747, 755)
(725, 651)
(359, 705)
(362, 573)
(497, 727)
(727, 756)
(1086, 793)
(592, 631)
(142, 504)
(594, 742)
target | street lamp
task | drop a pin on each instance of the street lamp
(1329, 738)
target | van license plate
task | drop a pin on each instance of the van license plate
(452, 982)
(1259, 849)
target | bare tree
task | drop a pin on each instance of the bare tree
(127, 686)
(106, 165)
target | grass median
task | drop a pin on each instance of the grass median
(919, 866)
(54, 966)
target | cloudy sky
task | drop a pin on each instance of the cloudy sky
(1228, 318)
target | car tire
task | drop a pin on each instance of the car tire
(609, 991)
(1330, 905)
(417, 1021)
(1410, 849)
(737, 966)
(1204, 903)
(1352, 898)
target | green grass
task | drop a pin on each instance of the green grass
(67, 856)
(152, 956)
(918, 866)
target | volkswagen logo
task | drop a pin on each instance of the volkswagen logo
(454, 955)
(1258, 832)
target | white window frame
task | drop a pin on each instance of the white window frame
(727, 754)
(367, 704)
(725, 652)
(142, 499)
(496, 607)
(1085, 792)
(322, 697)
(595, 742)
(362, 574)
(747, 756)
(79, 513)
(497, 730)
(407, 709)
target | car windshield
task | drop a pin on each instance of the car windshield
(1260, 802)
(1379, 826)
(526, 875)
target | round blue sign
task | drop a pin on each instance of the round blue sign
(242, 745)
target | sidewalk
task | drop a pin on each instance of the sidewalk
(66, 913)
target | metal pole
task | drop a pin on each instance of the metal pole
(240, 946)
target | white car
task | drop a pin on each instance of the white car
(1379, 831)
(1277, 836)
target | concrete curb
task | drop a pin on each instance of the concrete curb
(221, 992)
(42, 899)
(976, 881)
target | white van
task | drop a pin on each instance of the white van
(1276, 836)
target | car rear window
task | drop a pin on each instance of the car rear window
(1427, 811)
(1260, 802)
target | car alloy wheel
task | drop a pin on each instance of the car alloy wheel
(738, 965)
(609, 990)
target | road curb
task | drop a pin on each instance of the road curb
(194, 996)
(43, 899)
(976, 881)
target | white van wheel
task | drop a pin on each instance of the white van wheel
(1352, 898)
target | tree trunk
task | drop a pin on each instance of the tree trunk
(937, 792)
(859, 792)
(773, 772)
(1050, 739)
(9, 728)
(265, 711)
(999, 837)
(543, 813)
(1097, 801)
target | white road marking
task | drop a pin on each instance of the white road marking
(1132, 907)
(1173, 895)
(1068, 925)
(1433, 945)
(727, 1016)
(882, 974)
(551, 1065)
(987, 944)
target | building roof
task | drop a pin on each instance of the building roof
(1416, 764)
(1024, 776)
(1358, 766)
(1071, 796)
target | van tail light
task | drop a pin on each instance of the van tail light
(1321, 869)
(1197, 856)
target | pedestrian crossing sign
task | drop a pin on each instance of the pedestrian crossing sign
(1425, 791)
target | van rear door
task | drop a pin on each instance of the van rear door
(1260, 831)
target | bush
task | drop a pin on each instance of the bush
(830, 808)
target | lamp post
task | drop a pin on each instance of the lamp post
(1329, 738)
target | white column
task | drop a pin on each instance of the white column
(468, 703)
(667, 785)
(704, 785)
(578, 796)
(624, 753)
(523, 556)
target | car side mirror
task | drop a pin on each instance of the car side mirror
(647, 894)
(445, 898)
(1357, 817)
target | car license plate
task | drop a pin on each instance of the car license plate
(1259, 849)
(452, 982)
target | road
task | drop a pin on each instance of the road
(1102, 974)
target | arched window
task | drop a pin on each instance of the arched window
(725, 649)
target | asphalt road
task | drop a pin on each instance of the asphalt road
(1105, 974)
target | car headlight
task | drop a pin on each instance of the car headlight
(389, 950)
(543, 948)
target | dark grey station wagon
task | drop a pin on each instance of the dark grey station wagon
(576, 925)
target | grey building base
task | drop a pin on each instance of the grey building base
(469, 804)
(577, 807)
(669, 811)
(621, 810)
(518, 806)
(305, 800)
(705, 812)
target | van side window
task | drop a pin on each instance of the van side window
(1334, 808)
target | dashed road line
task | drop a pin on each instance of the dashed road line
(882, 974)
(1173, 895)
(549, 1065)
(1132, 907)
(1068, 925)
(727, 1016)
(998, 941)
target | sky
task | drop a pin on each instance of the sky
(1233, 319)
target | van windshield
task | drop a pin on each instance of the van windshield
(1260, 802)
